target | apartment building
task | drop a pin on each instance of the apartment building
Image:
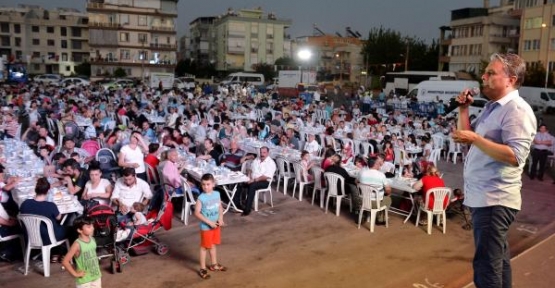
(48, 41)
(337, 57)
(476, 33)
(184, 51)
(138, 36)
(537, 33)
(248, 37)
(202, 45)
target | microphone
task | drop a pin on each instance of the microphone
(471, 92)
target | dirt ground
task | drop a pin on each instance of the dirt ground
(296, 244)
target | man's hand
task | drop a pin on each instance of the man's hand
(123, 209)
(464, 99)
(465, 136)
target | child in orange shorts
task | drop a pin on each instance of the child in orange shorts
(208, 209)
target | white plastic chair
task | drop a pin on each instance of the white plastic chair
(188, 201)
(299, 179)
(455, 149)
(32, 224)
(152, 175)
(434, 156)
(283, 168)
(369, 193)
(318, 172)
(263, 191)
(367, 149)
(13, 237)
(332, 180)
(440, 194)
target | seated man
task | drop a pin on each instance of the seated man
(172, 171)
(375, 178)
(69, 147)
(263, 169)
(234, 157)
(128, 190)
(75, 178)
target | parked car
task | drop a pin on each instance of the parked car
(48, 79)
(74, 81)
(120, 83)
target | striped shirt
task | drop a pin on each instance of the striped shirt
(232, 160)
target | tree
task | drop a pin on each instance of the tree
(535, 76)
(120, 73)
(422, 57)
(265, 69)
(383, 48)
(83, 69)
(286, 63)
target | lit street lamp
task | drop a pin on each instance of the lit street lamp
(304, 55)
(546, 56)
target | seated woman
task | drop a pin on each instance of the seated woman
(327, 158)
(347, 154)
(431, 179)
(97, 188)
(39, 206)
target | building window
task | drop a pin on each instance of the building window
(124, 37)
(36, 54)
(63, 44)
(124, 19)
(75, 32)
(68, 68)
(17, 42)
(142, 20)
(63, 31)
(16, 28)
(125, 54)
(49, 29)
(78, 57)
(36, 67)
(35, 29)
(5, 27)
(532, 23)
(64, 56)
(18, 54)
(50, 42)
(5, 40)
(536, 44)
(36, 42)
(143, 37)
(76, 44)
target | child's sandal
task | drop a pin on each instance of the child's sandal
(217, 267)
(203, 273)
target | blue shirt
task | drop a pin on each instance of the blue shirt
(489, 182)
(210, 204)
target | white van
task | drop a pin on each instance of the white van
(256, 79)
(539, 98)
(474, 110)
(435, 90)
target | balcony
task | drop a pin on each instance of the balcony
(514, 33)
(163, 28)
(160, 46)
(517, 13)
(499, 38)
(444, 59)
(446, 42)
(104, 24)
(130, 62)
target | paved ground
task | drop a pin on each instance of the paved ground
(295, 243)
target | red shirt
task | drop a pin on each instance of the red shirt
(429, 182)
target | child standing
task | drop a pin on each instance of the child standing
(83, 251)
(208, 210)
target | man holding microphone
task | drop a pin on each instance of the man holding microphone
(500, 141)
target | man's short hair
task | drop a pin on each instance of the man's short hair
(128, 171)
(372, 161)
(71, 163)
(79, 222)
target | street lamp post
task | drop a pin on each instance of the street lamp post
(304, 55)
(546, 55)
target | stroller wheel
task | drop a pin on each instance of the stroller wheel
(113, 266)
(123, 258)
(162, 249)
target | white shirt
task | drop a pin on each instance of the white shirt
(101, 188)
(374, 178)
(312, 146)
(127, 195)
(134, 156)
(3, 214)
(265, 168)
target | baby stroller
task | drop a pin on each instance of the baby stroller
(105, 225)
(142, 237)
(108, 164)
